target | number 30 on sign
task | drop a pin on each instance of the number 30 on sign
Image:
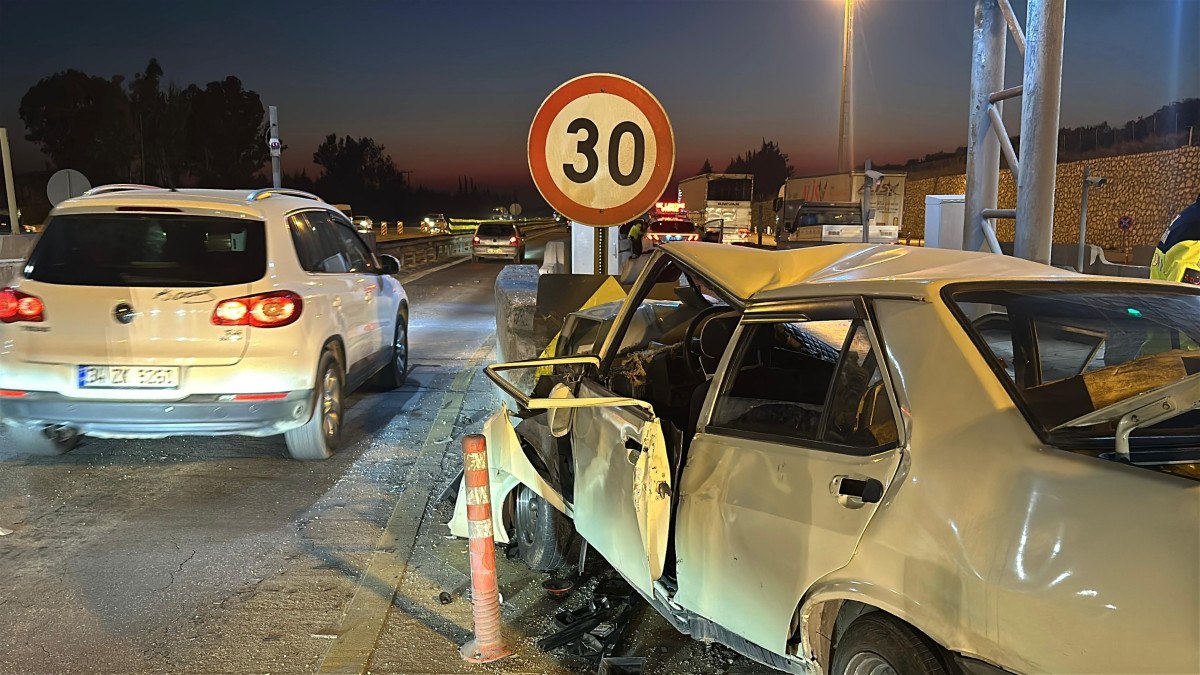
(601, 150)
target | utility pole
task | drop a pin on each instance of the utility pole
(844, 117)
(1039, 129)
(274, 145)
(10, 187)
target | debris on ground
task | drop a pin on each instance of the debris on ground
(594, 631)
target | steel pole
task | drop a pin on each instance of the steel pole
(1087, 171)
(844, 160)
(10, 188)
(1039, 129)
(276, 178)
(983, 149)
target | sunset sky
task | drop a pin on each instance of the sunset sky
(450, 88)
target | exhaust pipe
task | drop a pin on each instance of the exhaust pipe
(60, 433)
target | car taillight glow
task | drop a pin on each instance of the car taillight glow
(474, 240)
(512, 240)
(17, 306)
(269, 310)
(10, 393)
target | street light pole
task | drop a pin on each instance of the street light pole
(844, 116)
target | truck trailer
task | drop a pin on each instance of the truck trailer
(721, 203)
(828, 201)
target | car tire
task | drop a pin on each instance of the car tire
(35, 441)
(543, 534)
(395, 372)
(877, 642)
(318, 438)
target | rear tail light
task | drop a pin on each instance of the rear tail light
(512, 240)
(9, 393)
(474, 240)
(17, 306)
(268, 310)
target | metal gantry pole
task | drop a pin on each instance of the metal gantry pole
(983, 148)
(10, 188)
(1039, 129)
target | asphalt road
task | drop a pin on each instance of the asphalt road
(223, 555)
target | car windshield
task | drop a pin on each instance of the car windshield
(672, 227)
(149, 250)
(1068, 350)
(495, 230)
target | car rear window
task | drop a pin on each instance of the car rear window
(672, 227)
(149, 250)
(495, 230)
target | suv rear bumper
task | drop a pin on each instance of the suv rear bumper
(193, 416)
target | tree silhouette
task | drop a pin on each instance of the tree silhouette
(81, 122)
(769, 166)
(226, 134)
(707, 168)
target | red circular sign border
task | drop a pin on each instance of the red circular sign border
(660, 175)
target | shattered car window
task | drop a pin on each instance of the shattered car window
(808, 381)
(1067, 352)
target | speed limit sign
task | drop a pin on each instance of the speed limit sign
(601, 150)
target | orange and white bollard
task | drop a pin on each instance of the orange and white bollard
(488, 644)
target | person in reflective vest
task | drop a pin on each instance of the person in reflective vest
(1177, 257)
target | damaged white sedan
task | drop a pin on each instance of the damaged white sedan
(876, 459)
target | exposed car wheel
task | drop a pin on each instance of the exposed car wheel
(318, 438)
(38, 441)
(543, 534)
(881, 644)
(396, 371)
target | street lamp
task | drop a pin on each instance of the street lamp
(844, 116)
(1089, 181)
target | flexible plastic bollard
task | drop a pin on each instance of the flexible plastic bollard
(488, 644)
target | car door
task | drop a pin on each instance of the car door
(797, 446)
(378, 312)
(623, 487)
(338, 285)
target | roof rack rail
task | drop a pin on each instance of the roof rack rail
(284, 192)
(118, 187)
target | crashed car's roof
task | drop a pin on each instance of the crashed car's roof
(751, 274)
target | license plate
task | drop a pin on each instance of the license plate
(128, 377)
(495, 250)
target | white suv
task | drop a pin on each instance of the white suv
(145, 312)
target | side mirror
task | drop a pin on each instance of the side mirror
(561, 418)
(390, 265)
(777, 204)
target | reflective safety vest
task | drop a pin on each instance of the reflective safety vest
(1177, 257)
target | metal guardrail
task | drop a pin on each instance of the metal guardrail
(422, 250)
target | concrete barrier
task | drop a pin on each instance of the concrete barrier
(14, 249)
(516, 304)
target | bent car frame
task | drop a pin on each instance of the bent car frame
(852, 458)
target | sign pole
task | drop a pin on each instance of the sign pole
(273, 144)
(9, 187)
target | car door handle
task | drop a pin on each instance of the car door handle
(635, 448)
(870, 491)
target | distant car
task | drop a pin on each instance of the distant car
(364, 224)
(435, 223)
(501, 213)
(145, 313)
(6, 225)
(498, 240)
(668, 229)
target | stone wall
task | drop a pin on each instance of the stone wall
(1151, 188)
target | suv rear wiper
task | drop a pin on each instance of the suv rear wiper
(1145, 409)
